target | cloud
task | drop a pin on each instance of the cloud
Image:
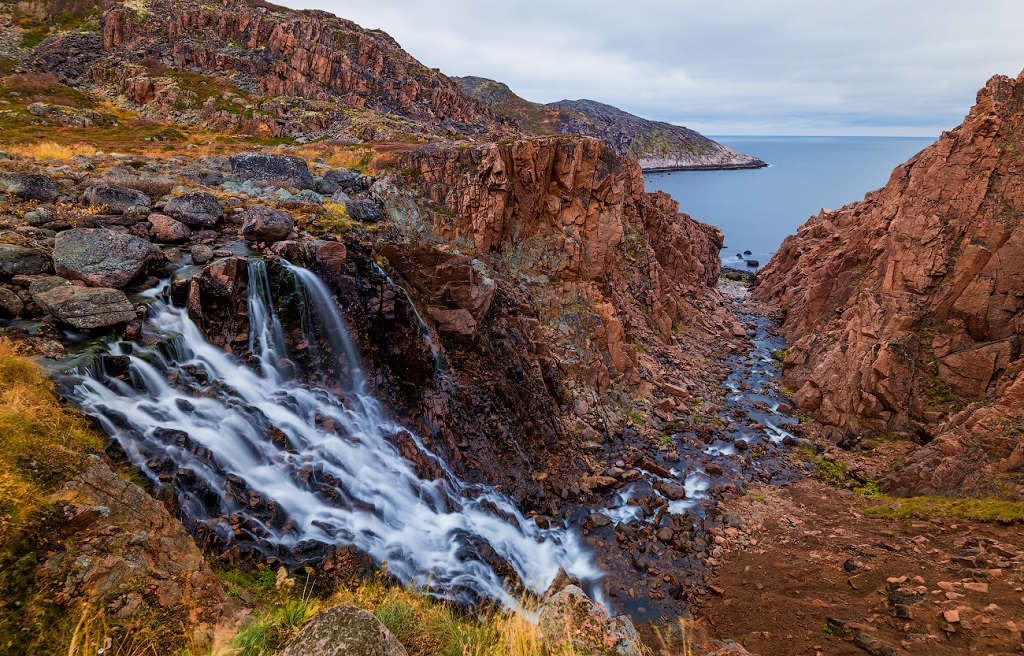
(732, 67)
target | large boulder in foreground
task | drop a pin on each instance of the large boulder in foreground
(19, 260)
(195, 208)
(264, 223)
(344, 631)
(103, 258)
(86, 308)
(31, 186)
(571, 617)
(115, 198)
(268, 169)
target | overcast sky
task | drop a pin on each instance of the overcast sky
(887, 67)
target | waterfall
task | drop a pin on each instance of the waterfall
(259, 458)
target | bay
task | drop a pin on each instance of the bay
(758, 208)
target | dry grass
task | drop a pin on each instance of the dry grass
(152, 187)
(50, 150)
(42, 441)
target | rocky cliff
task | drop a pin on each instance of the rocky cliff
(904, 310)
(251, 67)
(658, 146)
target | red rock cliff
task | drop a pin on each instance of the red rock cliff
(904, 309)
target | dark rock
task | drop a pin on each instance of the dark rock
(31, 186)
(345, 179)
(281, 170)
(344, 631)
(10, 305)
(103, 258)
(733, 520)
(195, 208)
(117, 199)
(264, 223)
(16, 260)
(86, 308)
(364, 210)
(597, 520)
(753, 263)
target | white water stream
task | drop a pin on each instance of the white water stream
(336, 477)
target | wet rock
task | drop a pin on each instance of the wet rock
(597, 520)
(31, 186)
(331, 255)
(103, 258)
(671, 491)
(86, 308)
(18, 260)
(364, 210)
(167, 230)
(116, 199)
(267, 169)
(195, 208)
(217, 301)
(264, 223)
(344, 631)
(572, 617)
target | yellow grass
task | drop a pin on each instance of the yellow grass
(50, 150)
(42, 441)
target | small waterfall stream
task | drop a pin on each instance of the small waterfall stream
(260, 458)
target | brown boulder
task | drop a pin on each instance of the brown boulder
(344, 631)
(168, 230)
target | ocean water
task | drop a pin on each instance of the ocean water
(757, 209)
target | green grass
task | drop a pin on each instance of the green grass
(830, 471)
(978, 510)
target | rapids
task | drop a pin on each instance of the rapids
(260, 457)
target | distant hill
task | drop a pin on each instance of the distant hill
(656, 145)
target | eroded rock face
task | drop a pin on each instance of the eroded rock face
(116, 199)
(905, 309)
(131, 556)
(267, 169)
(86, 308)
(344, 631)
(217, 301)
(103, 258)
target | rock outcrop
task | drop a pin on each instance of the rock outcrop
(86, 308)
(905, 309)
(102, 257)
(572, 618)
(658, 146)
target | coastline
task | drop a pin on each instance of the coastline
(705, 167)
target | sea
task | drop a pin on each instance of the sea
(758, 208)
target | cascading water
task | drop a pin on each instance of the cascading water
(261, 459)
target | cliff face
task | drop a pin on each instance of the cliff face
(905, 309)
(239, 65)
(656, 145)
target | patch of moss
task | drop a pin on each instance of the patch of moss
(830, 471)
(978, 510)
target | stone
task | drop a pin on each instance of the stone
(201, 254)
(195, 208)
(733, 520)
(570, 616)
(331, 255)
(116, 199)
(266, 224)
(308, 197)
(86, 308)
(365, 211)
(951, 616)
(10, 305)
(103, 258)
(19, 260)
(344, 631)
(39, 216)
(167, 230)
(31, 186)
(268, 169)
(344, 179)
